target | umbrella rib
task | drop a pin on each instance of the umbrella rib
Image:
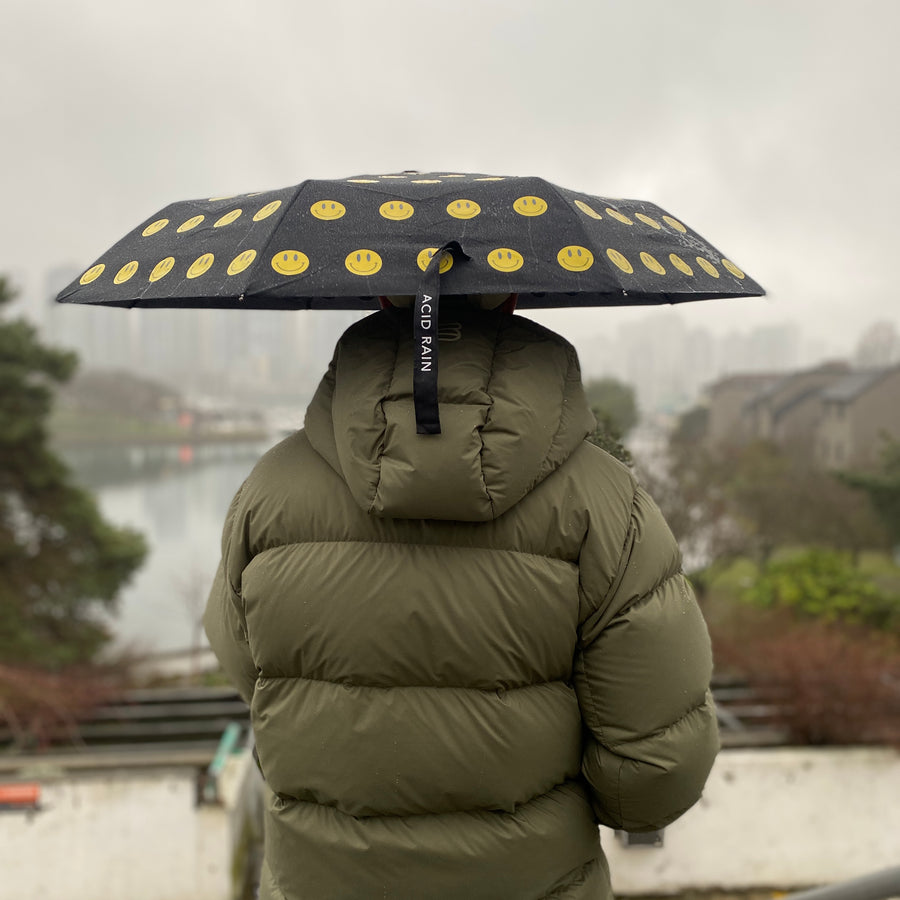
(265, 247)
(601, 255)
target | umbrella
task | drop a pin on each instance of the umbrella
(340, 244)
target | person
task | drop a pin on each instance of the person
(461, 651)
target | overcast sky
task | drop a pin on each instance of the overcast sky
(772, 127)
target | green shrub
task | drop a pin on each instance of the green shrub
(824, 584)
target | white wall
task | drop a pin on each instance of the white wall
(780, 818)
(775, 818)
(124, 833)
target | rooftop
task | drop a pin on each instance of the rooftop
(856, 383)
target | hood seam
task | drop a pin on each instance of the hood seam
(547, 466)
(390, 381)
(487, 418)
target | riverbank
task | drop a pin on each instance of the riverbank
(71, 428)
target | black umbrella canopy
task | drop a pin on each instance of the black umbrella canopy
(340, 244)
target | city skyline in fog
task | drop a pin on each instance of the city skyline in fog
(277, 358)
(772, 128)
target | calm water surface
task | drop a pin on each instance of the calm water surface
(177, 498)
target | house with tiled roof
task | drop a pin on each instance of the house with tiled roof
(858, 412)
(788, 410)
(782, 407)
(726, 399)
(833, 414)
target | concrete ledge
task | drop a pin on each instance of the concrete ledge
(56, 764)
(134, 831)
(780, 818)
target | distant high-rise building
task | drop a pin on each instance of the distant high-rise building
(168, 343)
(699, 360)
(55, 280)
(655, 352)
(599, 357)
(102, 338)
(774, 347)
(878, 346)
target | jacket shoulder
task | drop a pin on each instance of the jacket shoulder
(289, 486)
(628, 547)
(602, 486)
(288, 462)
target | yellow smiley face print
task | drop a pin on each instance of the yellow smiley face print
(652, 263)
(733, 269)
(290, 262)
(680, 264)
(530, 206)
(587, 210)
(707, 266)
(363, 262)
(648, 221)
(396, 210)
(463, 209)
(575, 258)
(153, 227)
(241, 262)
(126, 272)
(267, 211)
(674, 223)
(505, 259)
(228, 218)
(425, 255)
(200, 265)
(328, 210)
(619, 260)
(162, 268)
(619, 217)
(92, 274)
(191, 223)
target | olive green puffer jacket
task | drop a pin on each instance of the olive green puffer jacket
(461, 651)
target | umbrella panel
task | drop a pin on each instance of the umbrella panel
(340, 244)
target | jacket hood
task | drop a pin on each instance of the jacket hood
(511, 403)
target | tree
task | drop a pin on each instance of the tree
(613, 403)
(780, 499)
(61, 564)
(691, 428)
(882, 488)
(615, 410)
(750, 500)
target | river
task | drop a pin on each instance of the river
(177, 497)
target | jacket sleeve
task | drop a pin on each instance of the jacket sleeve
(642, 674)
(225, 624)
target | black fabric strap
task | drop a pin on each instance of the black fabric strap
(425, 336)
